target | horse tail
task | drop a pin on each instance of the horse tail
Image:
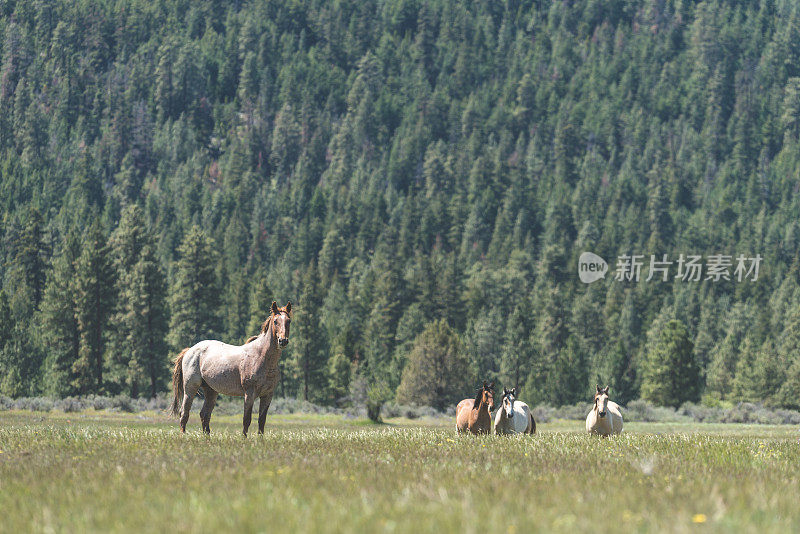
(533, 422)
(177, 384)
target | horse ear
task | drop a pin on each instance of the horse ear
(598, 388)
(605, 390)
(491, 385)
(514, 391)
(274, 308)
(288, 306)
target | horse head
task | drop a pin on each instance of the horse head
(485, 395)
(509, 396)
(279, 322)
(601, 401)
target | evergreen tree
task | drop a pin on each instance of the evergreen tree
(95, 301)
(670, 375)
(568, 380)
(620, 374)
(11, 383)
(261, 299)
(786, 349)
(194, 296)
(61, 335)
(308, 356)
(28, 257)
(143, 322)
(518, 351)
(437, 373)
(724, 356)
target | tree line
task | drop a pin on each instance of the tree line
(418, 177)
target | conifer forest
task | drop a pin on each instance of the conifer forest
(420, 179)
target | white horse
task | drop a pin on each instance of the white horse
(513, 417)
(605, 418)
(249, 371)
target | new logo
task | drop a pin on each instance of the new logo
(591, 267)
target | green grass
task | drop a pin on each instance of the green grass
(97, 471)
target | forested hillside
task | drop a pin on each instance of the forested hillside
(419, 178)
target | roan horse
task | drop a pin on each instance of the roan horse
(513, 417)
(605, 418)
(473, 415)
(249, 371)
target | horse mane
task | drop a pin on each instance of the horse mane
(478, 399)
(267, 323)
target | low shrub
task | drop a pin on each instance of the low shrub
(635, 411)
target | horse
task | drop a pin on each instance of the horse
(249, 371)
(474, 415)
(513, 417)
(605, 418)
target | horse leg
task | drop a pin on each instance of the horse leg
(208, 407)
(263, 407)
(189, 392)
(249, 399)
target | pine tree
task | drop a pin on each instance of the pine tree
(724, 356)
(128, 239)
(6, 320)
(518, 351)
(769, 374)
(28, 263)
(126, 242)
(61, 334)
(568, 380)
(194, 295)
(307, 350)
(411, 323)
(670, 375)
(10, 375)
(143, 323)
(620, 374)
(550, 338)
(437, 373)
(95, 301)
(20, 363)
(261, 299)
(744, 388)
(786, 352)
(379, 328)
(338, 324)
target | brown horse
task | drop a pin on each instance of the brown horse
(249, 371)
(474, 415)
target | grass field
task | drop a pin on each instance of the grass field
(99, 471)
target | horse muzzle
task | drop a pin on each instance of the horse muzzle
(283, 341)
(601, 414)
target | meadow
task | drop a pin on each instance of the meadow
(102, 471)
